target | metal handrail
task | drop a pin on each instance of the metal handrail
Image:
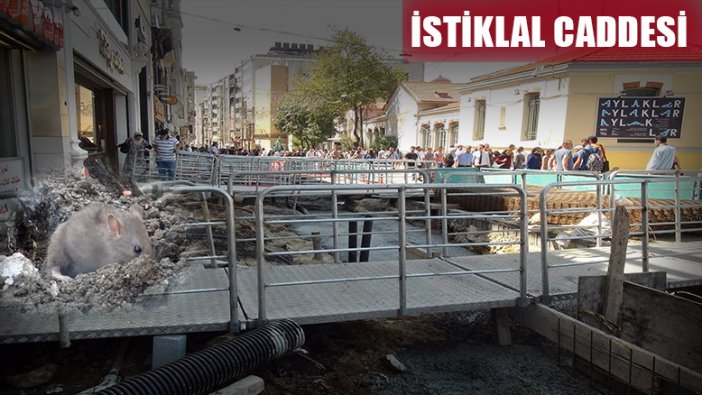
(402, 276)
(174, 187)
(644, 207)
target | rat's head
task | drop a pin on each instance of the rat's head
(130, 239)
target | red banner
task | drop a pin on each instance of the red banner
(520, 30)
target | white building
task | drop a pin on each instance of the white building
(543, 103)
(406, 103)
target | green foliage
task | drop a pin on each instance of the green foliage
(347, 143)
(383, 142)
(309, 125)
(349, 76)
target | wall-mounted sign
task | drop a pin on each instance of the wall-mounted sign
(41, 21)
(159, 110)
(112, 56)
(12, 177)
(640, 117)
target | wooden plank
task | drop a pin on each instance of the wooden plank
(665, 324)
(606, 352)
(591, 289)
(615, 271)
(502, 322)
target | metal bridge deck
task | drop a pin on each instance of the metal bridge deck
(330, 302)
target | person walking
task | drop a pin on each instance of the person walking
(214, 148)
(465, 157)
(133, 147)
(564, 157)
(519, 159)
(166, 146)
(663, 157)
(601, 150)
(533, 161)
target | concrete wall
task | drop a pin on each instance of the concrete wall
(402, 119)
(271, 83)
(48, 110)
(587, 86)
(509, 99)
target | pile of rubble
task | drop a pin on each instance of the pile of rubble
(25, 285)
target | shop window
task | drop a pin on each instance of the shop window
(531, 115)
(479, 129)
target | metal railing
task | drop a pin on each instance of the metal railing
(418, 227)
(264, 179)
(186, 187)
(635, 195)
(211, 169)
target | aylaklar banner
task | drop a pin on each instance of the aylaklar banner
(526, 30)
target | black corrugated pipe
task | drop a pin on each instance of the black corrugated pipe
(207, 370)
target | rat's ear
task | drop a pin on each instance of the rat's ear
(137, 210)
(114, 224)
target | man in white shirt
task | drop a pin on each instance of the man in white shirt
(663, 157)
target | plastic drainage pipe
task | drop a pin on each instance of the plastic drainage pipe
(212, 368)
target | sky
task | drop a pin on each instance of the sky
(212, 48)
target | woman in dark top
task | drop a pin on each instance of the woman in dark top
(534, 159)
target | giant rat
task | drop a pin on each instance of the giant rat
(94, 237)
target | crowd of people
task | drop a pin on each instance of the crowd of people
(589, 155)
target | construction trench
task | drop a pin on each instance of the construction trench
(647, 350)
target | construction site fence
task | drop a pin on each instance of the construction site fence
(405, 229)
(218, 169)
(650, 217)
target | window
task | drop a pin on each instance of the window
(453, 132)
(425, 136)
(531, 115)
(651, 89)
(441, 134)
(479, 128)
(503, 118)
(119, 10)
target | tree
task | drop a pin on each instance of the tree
(383, 142)
(309, 124)
(350, 76)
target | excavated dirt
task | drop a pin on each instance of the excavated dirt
(442, 354)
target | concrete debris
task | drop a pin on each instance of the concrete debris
(395, 363)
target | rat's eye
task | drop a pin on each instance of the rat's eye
(137, 249)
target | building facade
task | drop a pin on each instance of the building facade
(79, 77)
(414, 98)
(542, 104)
(297, 60)
(86, 94)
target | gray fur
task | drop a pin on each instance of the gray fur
(95, 237)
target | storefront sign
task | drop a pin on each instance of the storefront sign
(42, 24)
(12, 177)
(159, 111)
(640, 117)
(112, 56)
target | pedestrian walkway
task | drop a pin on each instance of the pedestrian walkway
(199, 302)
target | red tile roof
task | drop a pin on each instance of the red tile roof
(691, 54)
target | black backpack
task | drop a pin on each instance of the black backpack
(449, 160)
(124, 147)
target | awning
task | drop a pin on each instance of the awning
(19, 28)
(162, 41)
